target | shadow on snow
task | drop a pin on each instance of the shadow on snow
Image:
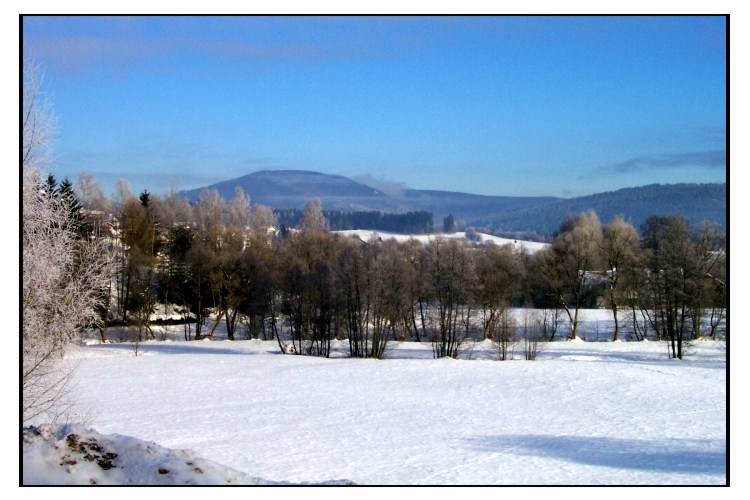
(685, 456)
(176, 348)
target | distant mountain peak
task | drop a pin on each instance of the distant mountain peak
(271, 187)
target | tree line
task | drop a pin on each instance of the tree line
(226, 261)
(413, 222)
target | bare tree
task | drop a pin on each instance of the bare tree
(532, 337)
(453, 283)
(204, 258)
(353, 273)
(419, 291)
(63, 274)
(231, 280)
(675, 275)
(307, 288)
(550, 322)
(504, 334)
(621, 252)
(565, 265)
(257, 288)
(498, 274)
(122, 197)
(390, 296)
(712, 287)
(138, 229)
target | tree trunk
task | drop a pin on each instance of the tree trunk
(617, 324)
(216, 324)
(573, 325)
(231, 321)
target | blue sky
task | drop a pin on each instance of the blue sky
(514, 106)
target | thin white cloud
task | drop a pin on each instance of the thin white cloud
(75, 45)
(703, 159)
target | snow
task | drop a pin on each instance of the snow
(72, 454)
(367, 235)
(583, 413)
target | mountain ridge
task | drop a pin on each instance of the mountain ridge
(283, 189)
(698, 203)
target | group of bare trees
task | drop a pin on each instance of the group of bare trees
(201, 257)
(685, 276)
(222, 260)
(667, 278)
(372, 292)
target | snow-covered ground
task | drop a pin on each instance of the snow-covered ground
(75, 455)
(368, 234)
(582, 413)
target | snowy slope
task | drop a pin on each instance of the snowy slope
(74, 455)
(367, 235)
(583, 413)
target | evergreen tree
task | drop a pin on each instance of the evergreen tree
(145, 198)
(449, 224)
(79, 223)
(50, 186)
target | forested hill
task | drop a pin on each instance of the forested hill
(291, 189)
(696, 202)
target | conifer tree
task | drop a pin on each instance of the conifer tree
(79, 223)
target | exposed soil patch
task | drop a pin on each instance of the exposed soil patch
(90, 450)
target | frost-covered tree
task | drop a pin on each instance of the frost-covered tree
(238, 211)
(262, 219)
(63, 275)
(312, 217)
(95, 205)
(38, 120)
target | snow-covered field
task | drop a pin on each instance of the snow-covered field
(582, 413)
(367, 235)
